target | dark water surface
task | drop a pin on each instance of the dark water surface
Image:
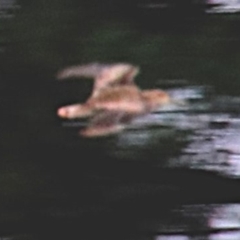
(173, 174)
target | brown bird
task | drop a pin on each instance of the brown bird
(114, 108)
(115, 100)
(105, 75)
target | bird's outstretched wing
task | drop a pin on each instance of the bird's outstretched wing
(91, 70)
(105, 75)
(106, 123)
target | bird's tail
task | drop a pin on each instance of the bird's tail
(75, 111)
(88, 71)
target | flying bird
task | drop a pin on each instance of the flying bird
(115, 100)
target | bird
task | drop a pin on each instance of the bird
(114, 108)
(115, 101)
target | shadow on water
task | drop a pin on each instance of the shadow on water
(173, 174)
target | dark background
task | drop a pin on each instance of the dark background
(54, 184)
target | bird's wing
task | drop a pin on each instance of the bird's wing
(106, 123)
(119, 73)
(91, 70)
(115, 75)
(105, 75)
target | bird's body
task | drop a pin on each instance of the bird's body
(118, 98)
(115, 101)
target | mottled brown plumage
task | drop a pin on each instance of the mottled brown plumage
(114, 108)
(115, 101)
